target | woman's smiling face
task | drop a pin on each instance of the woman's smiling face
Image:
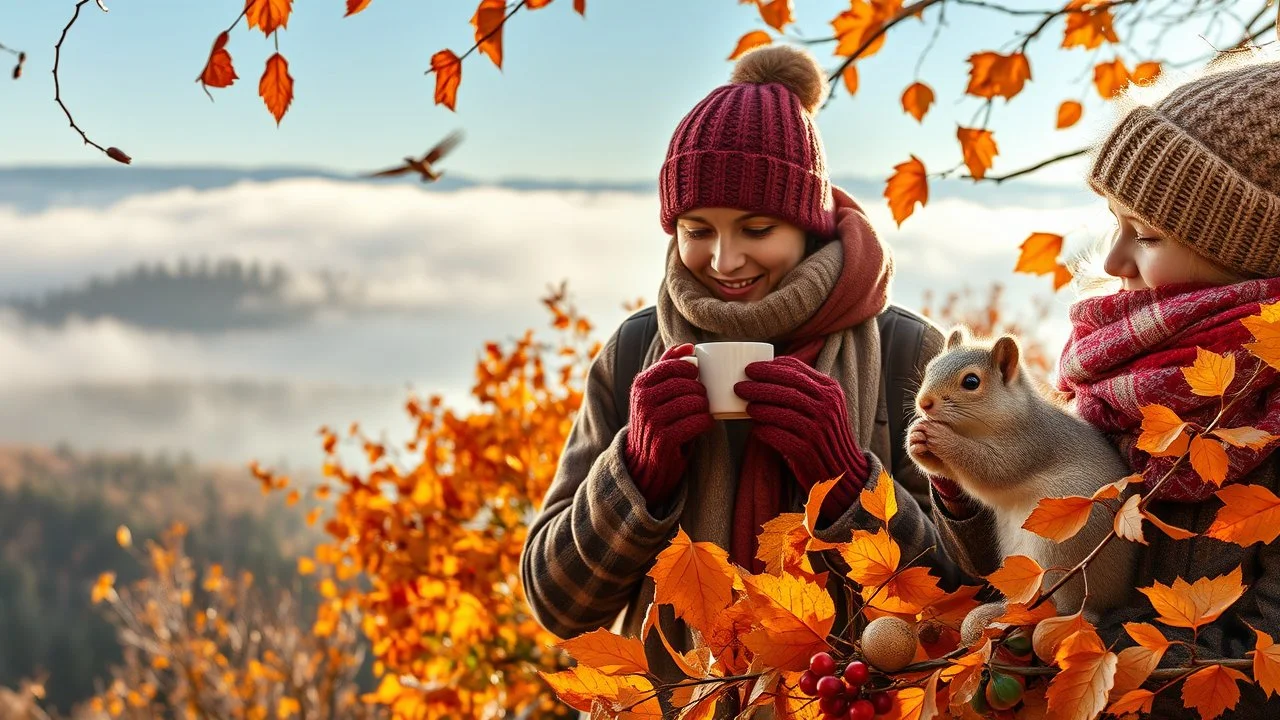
(739, 255)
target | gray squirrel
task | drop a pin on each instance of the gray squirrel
(986, 425)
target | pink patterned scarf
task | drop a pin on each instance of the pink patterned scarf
(1127, 349)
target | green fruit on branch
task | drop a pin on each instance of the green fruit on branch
(889, 643)
(979, 700)
(1019, 643)
(1003, 691)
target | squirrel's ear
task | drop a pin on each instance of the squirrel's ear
(958, 336)
(1005, 356)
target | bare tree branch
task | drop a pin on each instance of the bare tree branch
(997, 179)
(113, 152)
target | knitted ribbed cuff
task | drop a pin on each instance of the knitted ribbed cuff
(1177, 185)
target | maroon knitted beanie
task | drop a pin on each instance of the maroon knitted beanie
(753, 145)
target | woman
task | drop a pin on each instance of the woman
(763, 248)
(1194, 184)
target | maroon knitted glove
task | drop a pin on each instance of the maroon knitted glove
(801, 413)
(668, 410)
(953, 498)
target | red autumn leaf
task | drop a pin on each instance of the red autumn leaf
(1160, 427)
(1059, 518)
(448, 70)
(276, 86)
(850, 78)
(487, 21)
(1110, 78)
(994, 75)
(907, 187)
(1209, 459)
(580, 7)
(1266, 663)
(1191, 605)
(916, 100)
(694, 578)
(218, 71)
(979, 150)
(1019, 578)
(755, 38)
(269, 15)
(1249, 514)
(355, 6)
(1213, 690)
(1069, 113)
(1211, 373)
(1088, 29)
(1039, 254)
(776, 13)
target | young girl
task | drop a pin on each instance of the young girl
(1194, 184)
(762, 248)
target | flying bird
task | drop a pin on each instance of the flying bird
(423, 165)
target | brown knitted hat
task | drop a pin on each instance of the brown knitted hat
(1202, 166)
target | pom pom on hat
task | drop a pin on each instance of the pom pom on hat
(795, 68)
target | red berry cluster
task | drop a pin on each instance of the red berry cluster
(843, 696)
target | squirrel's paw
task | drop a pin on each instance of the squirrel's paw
(920, 450)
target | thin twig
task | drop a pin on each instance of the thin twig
(997, 179)
(57, 89)
(492, 32)
(914, 9)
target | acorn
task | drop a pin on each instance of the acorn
(889, 643)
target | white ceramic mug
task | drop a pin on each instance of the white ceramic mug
(721, 365)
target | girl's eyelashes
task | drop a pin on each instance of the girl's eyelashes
(695, 233)
(760, 231)
(1146, 240)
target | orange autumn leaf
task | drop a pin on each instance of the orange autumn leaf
(910, 591)
(104, 588)
(355, 6)
(917, 99)
(1039, 254)
(581, 686)
(776, 13)
(1019, 578)
(855, 27)
(488, 20)
(1249, 514)
(1110, 78)
(1132, 701)
(694, 578)
(306, 566)
(1160, 427)
(1266, 663)
(882, 500)
(1088, 29)
(1265, 328)
(1249, 437)
(850, 78)
(1191, 605)
(916, 703)
(755, 38)
(812, 509)
(1211, 373)
(1069, 113)
(1135, 663)
(1021, 614)
(994, 75)
(979, 150)
(907, 187)
(1052, 632)
(268, 15)
(1172, 531)
(1209, 459)
(965, 673)
(782, 544)
(1213, 690)
(1061, 276)
(794, 616)
(1059, 518)
(1128, 521)
(1080, 690)
(1146, 73)
(276, 86)
(872, 557)
(608, 653)
(218, 71)
(580, 7)
(448, 70)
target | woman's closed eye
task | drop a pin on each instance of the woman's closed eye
(1147, 240)
(695, 233)
(759, 232)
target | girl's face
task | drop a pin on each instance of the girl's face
(739, 255)
(1143, 258)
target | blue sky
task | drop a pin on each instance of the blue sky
(592, 98)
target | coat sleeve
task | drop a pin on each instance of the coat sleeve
(594, 539)
(911, 527)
